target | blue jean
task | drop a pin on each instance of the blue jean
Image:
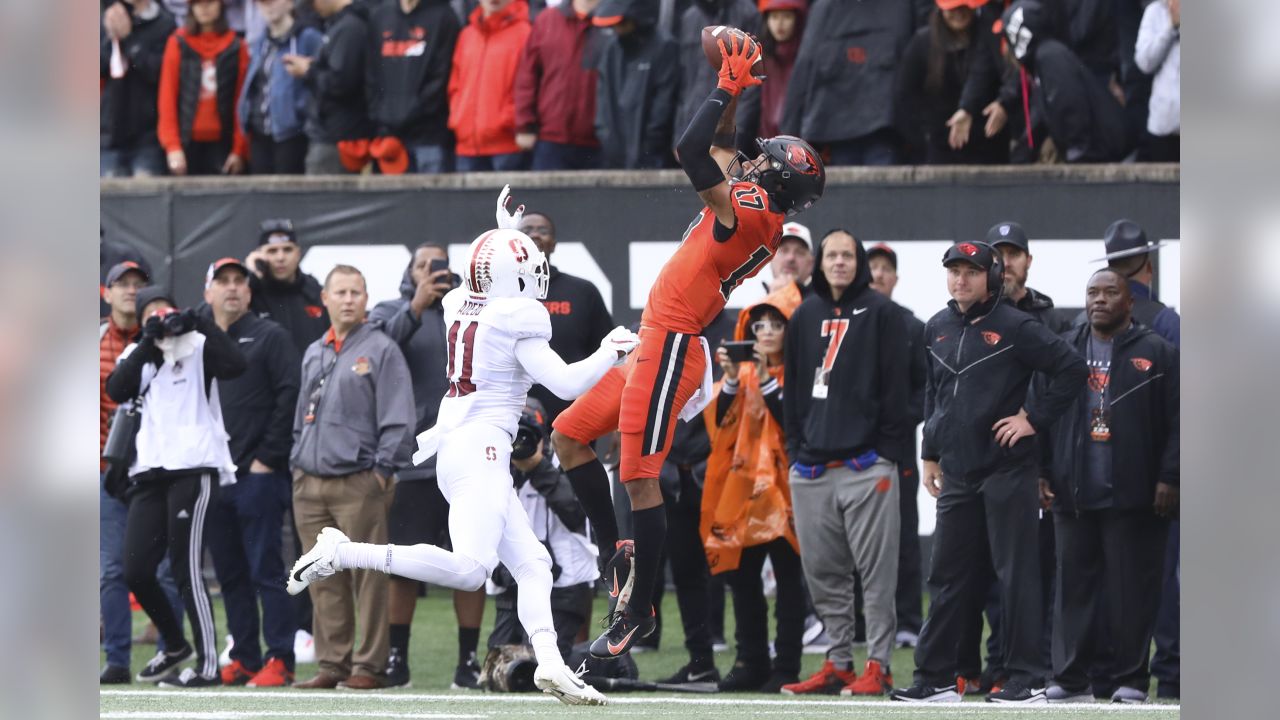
(431, 159)
(113, 594)
(491, 163)
(141, 160)
(561, 156)
(244, 537)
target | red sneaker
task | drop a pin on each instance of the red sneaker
(273, 674)
(827, 681)
(964, 684)
(873, 681)
(236, 674)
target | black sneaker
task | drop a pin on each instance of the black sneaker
(619, 574)
(921, 693)
(745, 678)
(467, 675)
(1015, 693)
(397, 674)
(115, 675)
(694, 672)
(165, 664)
(773, 686)
(624, 630)
(191, 679)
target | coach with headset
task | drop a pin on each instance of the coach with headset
(982, 465)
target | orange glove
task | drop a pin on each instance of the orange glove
(736, 63)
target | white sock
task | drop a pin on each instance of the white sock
(363, 556)
(533, 605)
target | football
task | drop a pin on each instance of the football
(711, 36)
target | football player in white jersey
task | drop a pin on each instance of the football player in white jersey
(497, 333)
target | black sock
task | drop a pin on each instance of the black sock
(400, 638)
(590, 483)
(651, 532)
(468, 639)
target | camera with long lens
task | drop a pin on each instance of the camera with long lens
(529, 436)
(173, 322)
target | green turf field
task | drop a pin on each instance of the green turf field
(434, 653)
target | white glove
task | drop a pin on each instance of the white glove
(621, 340)
(508, 220)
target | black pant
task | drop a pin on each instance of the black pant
(569, 607)
(168, 515)
(996, 514)
(908, 599)
(206, 158)
(751, 611)
(1166, 665)
(689, 570)
(284, 157)
(1119, 554)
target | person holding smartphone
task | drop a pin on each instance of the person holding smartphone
(280, 290)
(744, 520)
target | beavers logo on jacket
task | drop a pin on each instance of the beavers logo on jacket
(314, 311)
(362, 366)
(1143, 364)
(992, 338)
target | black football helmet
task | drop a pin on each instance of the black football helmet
(793, 175)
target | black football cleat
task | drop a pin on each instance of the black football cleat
(624, 630)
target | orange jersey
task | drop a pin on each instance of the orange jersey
(695, 284)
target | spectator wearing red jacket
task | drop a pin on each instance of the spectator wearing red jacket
(482, 111)
(556, 92)
(200, 79)
(782, 26)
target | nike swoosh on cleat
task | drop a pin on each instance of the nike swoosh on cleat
(615, 649)
(297, 574)
(700, 676)
(614, 592)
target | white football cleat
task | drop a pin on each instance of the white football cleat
(320, 562)
(566, 686)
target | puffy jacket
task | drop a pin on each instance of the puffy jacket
(128, 110)
(1144, 391)
(636, 95)
(482, 110)
(185, 115)
(409, 71)
(556, 81)
(842, 86)
(697, 79)
(980, 368)
(289, 96)
(337, 79)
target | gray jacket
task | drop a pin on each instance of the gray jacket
(355, 407)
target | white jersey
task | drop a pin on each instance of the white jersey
(487, 383)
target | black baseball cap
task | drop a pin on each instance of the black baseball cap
(881, 249)
(118, 270)
(217, 265)
(271, 230)
(150, 294)
(1126, 238)
(1008, 233)
(978, 254)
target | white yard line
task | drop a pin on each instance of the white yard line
(246, 714)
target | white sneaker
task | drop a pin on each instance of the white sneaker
(566, 686)
(320, 563)
(304, 648)
(225, 658)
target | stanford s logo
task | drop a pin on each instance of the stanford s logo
(1143, 364)
(968, 249)
(802, 160)
(992, 338)
(490, 453)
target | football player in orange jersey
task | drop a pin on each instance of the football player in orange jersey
(668, 377)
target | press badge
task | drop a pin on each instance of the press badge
(820, 378)
(1100, 425)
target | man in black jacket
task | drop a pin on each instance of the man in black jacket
(884, 278)
(982, 354)
(337, 79)
(1015, 253)
(847, 387)
(131, 49)
(579, 318)
(280, 290)
(639, 78)
(245, 520)
(1113, 463)
(696, 82)
(413, 44)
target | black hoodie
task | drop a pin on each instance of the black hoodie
(860, 340)
(409, 70)
(337, 79)
(636, 90)
(128, 109)
(295, 305)
(980, 367)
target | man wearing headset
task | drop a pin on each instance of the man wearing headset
(981, 465)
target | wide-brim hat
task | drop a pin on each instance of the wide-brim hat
(1126, 238)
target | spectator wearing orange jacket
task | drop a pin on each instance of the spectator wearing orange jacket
(482, 110)
(200, 79)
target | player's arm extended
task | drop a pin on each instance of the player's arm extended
(565, 380)
(702, 162)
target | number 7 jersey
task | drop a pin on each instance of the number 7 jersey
(696, 282)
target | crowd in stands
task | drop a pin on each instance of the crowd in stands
(206, 87)
(283, 403)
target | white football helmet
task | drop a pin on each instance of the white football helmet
(506, 263)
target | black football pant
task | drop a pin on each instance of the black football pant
(994, 516)
(1119, 554)
(168, 516)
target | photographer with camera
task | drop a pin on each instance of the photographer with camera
(180, 447)
(419, 512)
(560, 523)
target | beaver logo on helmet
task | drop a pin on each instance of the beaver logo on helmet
(792, 176)
(802, 160)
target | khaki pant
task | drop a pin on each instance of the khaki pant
(356, 504)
